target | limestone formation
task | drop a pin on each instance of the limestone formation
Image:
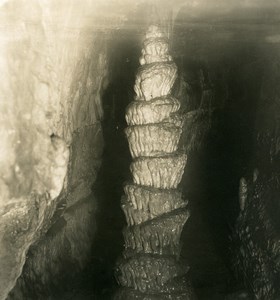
(154, 111)
(54, 69)
(155, 80)
(256, 243)
(150, 140)
(153, 206)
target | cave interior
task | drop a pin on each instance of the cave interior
(224, 64)
(228, 73)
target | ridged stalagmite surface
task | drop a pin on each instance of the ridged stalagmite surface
(160, 172)
(155, 80)
(139, 272)
(153, 206)
(154, 111)
(158, 235)
(150, 140)
(141, 203)
(155, 50)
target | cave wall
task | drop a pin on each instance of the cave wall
(239, 52)
(256, 236)
(53, 71)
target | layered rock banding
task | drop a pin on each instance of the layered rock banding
(153, 206)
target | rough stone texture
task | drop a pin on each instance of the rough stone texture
(126, 293)
(155, 80)
(149, 204)
(154, 111)
(152, 199)
(160, 172)
(257, 243)
(141, 273)
(256, 238)
(135, 217)
(54, 64)
(62, 252)
(158, 236)
(86, 154)
(155, 50)
(21, 219)
(68, 241)
(153, 140)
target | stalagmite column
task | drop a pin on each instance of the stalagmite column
(154, 208)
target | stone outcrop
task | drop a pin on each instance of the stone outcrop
(152, 204)
(54, 68)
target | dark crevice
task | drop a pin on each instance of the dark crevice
(115, 164)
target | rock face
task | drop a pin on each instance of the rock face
(153, 207)
(257, 243)
(257, 230)
(54, 69)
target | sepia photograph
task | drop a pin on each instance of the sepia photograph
(139, 149)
